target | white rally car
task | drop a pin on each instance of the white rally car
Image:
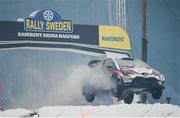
(128, 76)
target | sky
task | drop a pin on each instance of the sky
(163, 32)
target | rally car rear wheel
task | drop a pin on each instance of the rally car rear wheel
(89, 93)
(129, 98)
(90, 97)
(156, 93)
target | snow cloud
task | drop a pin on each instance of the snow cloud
(35, 78)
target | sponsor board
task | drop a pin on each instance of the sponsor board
(46, 28)
(113, 37)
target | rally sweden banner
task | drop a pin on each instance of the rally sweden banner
(46, 28)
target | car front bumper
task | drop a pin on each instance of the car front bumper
(147, 83)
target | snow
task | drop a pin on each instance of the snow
(123, 110)
(14, 112)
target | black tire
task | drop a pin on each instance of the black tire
(156, 93)
(129, 98)
(89, 97)
(89, 93)
(115, 89)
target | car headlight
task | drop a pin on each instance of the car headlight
(155, 73)
(161, 83)
(163, 78)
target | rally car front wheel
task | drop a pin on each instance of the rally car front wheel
(117, 84)
(129, 98)
(156, 93)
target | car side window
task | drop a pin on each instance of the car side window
(109, 63)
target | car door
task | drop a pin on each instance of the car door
(109, 67)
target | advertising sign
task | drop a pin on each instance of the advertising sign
(48, 20)
(47, 29)
(113, 37)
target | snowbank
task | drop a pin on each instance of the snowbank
(142, 110)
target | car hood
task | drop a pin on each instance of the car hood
(146, 73)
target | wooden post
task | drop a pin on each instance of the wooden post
(144, 40)
(1, 98)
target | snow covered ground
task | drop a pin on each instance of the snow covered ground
(141, 110)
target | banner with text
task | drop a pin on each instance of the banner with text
(46, 28)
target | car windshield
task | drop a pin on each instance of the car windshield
(131, 62)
